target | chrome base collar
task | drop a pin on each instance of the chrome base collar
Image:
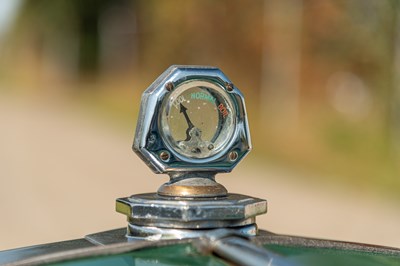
(157, 233)
(152, 209)
(154, 215)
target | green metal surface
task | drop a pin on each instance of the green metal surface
(303, 256)
(186, 254)
(182, 254)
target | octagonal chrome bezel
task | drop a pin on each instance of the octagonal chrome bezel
(149, 144)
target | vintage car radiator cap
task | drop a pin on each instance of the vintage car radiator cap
(192, 125)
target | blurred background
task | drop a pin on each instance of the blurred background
(322, 87)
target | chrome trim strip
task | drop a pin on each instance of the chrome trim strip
(266, 237)
(112, 249)
(18, 254)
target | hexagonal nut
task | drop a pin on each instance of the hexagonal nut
(149, 208)
(149, 144)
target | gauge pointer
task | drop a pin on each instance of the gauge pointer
(190, 124)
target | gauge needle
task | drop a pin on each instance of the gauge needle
(190, 124)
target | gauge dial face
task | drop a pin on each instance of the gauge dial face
(197, 120)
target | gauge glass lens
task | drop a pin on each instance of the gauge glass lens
(197, 119)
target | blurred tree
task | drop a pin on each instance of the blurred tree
(68, 31)
(281, 63)
(87, 14)
(394, 94)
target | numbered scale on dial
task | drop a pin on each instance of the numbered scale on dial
(197, 119)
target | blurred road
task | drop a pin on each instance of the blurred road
(61, 169)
